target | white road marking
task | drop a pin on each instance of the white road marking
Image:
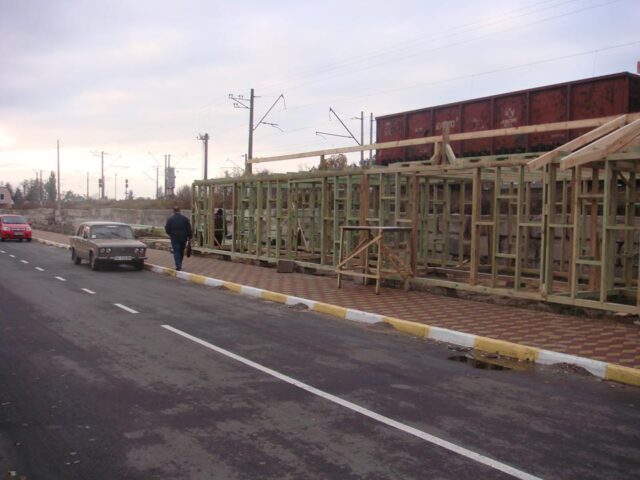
(61, 279)
(90, 292)
(452, 447)
(2, 251)
(40, 269)
(12, 256)
(125, 308)
(24, 261)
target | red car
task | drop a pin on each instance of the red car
(14, 227)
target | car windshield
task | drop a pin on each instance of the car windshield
(112, 232)
(14, 220)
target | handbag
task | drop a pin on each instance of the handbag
(188, 249)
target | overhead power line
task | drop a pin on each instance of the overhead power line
(464, 77)
(443, 47)
(448, 32)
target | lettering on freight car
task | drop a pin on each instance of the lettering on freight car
(478, 124)
(451, 123)
(509, 118)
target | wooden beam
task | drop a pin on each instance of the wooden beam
(576, 143)
(599, 149)
(500, 132)
(476, 206)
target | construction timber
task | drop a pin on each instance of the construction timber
(561, 226)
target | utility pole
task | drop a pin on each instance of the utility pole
(58, 178)
(164, 192)
(371, 138)
(248, 168)
(240, 102)
(205, 141)
(102, 175)
(115, 187)
(361, 137)
(157, 184)
(87, 185)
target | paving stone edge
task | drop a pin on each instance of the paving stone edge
(600, 369)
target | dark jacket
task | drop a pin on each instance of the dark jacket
(178, 227)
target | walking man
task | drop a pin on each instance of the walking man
(178, 228)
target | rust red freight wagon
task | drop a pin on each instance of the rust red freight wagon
(582, 99)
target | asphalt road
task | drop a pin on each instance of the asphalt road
(202, 383)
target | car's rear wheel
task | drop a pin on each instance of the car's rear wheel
(93, 262)
(74, 256)
(28, 239)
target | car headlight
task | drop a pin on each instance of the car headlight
(101, 250)
(104, 250)
(139, 251)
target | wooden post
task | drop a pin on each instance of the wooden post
(379, 264)
(519, 229)
(258, 216)
(594, 278)
(630, 198)
(279, 218)
(415, 220)
(606, 215)
(323, 221)
(550, 236)
(527, 219)
(563, 217)
(446, 221)
(576, 175)
(495, 229)
(461, 223)
(340, 257)
(476, 210)
(234, 220)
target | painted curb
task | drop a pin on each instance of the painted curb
(600, 369)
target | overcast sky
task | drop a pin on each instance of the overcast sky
(139, 79)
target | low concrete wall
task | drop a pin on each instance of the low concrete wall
(47, 218)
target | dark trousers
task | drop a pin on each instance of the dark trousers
(178, 245)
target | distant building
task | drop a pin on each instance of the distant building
(5, 197)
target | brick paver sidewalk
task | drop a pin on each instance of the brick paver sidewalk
(593, 338)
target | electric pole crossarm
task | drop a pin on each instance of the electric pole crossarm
(265, 115)
(331, 110)
(332, 134)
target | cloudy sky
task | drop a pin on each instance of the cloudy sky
(139, 79)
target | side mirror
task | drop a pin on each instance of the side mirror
(84, 235)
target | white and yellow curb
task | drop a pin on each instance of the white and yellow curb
(604, 370)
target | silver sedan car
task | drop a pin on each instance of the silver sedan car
(103, 243)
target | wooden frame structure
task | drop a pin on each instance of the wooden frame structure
(374, 247)
(561, 226)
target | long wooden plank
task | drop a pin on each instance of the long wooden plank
(600, 148)
(576, 143)
(500, 132)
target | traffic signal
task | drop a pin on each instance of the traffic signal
(100, 182)
(126, 183)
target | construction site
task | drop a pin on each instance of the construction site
(543, 209)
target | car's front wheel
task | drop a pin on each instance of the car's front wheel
(74, 256)
(139, 265)
(93, 262)
(28, 239)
